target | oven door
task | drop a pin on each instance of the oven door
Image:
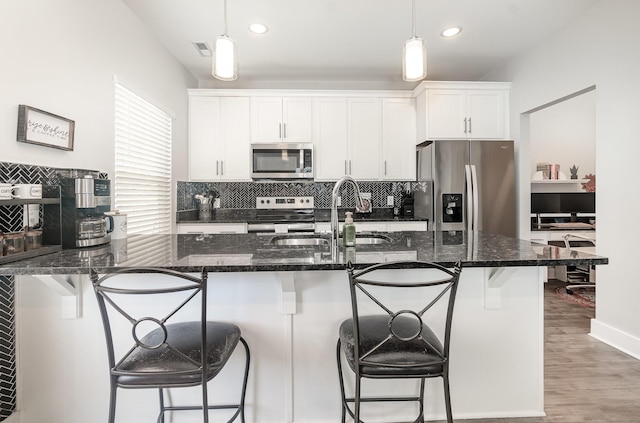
(282, 161)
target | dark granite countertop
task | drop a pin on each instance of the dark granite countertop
(255, 252)
(320, 215)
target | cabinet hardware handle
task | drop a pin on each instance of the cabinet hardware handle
(385, 168)
(279, 130)
(284, 130)
(345, 167)
(349, 167)
(469, 125)
(221, 167)
(465, 125)
(217, 167)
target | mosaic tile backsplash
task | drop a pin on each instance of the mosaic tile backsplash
(11, 220)
(242, 195)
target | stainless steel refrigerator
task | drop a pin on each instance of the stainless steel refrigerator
(467, 185)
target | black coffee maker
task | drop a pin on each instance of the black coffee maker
(406, 204)
(84, 200)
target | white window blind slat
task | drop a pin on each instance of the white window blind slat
(142, 163)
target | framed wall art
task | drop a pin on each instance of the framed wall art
(36, 126)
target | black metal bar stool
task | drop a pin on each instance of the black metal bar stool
(164, 351)
(400, 339)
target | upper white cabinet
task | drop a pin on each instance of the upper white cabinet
(367, 138)
(347, 137)
(458, 110)
(365, 135)
(330, 137)
(219, 138)
(398, 136)
(281, 119)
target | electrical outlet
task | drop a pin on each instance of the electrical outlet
(390, 200)
(339, 201)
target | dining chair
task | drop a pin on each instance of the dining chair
(158, 336)
(400, 328)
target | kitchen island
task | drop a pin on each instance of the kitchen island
(289, 301)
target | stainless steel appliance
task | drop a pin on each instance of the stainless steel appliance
(282, 161)
(282, 215)
(467, 185)
(84, 202)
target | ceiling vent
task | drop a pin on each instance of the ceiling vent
(202, 48)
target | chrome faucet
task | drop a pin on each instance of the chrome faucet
(360, 205)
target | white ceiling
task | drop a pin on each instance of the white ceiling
(352, 43)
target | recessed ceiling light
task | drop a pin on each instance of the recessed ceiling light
(451, 32)
(258, 28)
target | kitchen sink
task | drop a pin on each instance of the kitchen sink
(370, 239)
(298, 241)
(294, 241)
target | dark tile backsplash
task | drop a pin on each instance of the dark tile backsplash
(242, 195)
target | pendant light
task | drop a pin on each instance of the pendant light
(224, 62)
(414, 55)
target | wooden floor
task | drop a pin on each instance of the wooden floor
(585, 379)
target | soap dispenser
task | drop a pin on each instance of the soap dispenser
(349, 231)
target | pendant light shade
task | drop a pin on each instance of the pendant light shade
(224, 64)
(414, 54)
(224, 61)
(414, 60)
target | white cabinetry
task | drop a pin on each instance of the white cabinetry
(330, 137)
(377, 226)
(347, 138)
(368, 138)
(398, 135)
(457, 110)
(364, 129)
(219, 138)
(281, 119)
(212, 228)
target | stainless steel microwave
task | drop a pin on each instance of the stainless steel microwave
(282, 161)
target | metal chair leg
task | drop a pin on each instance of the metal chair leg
(112, 402)
(447, 395)
(246, 378)
(343, 398)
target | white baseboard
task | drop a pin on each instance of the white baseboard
(618, 339)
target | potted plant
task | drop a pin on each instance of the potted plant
(574, 172)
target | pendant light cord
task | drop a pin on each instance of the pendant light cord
(225, 17)
(413, 14)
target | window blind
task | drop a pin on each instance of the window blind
(142, 182)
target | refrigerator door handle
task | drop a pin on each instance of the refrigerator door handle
(476, 203)
(469, 196)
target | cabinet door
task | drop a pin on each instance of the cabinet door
(486, 114)
(212, 228)
(330, 135)
(266, 119)
(398, 139)
(447, 113)
(204, 137)
(297, 119)
(236, 138)
(365, 128)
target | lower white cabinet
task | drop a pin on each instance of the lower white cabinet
(378, 226)
(212, 228)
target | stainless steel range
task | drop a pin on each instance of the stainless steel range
(283, 214)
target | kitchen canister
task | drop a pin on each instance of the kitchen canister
(119, 224)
